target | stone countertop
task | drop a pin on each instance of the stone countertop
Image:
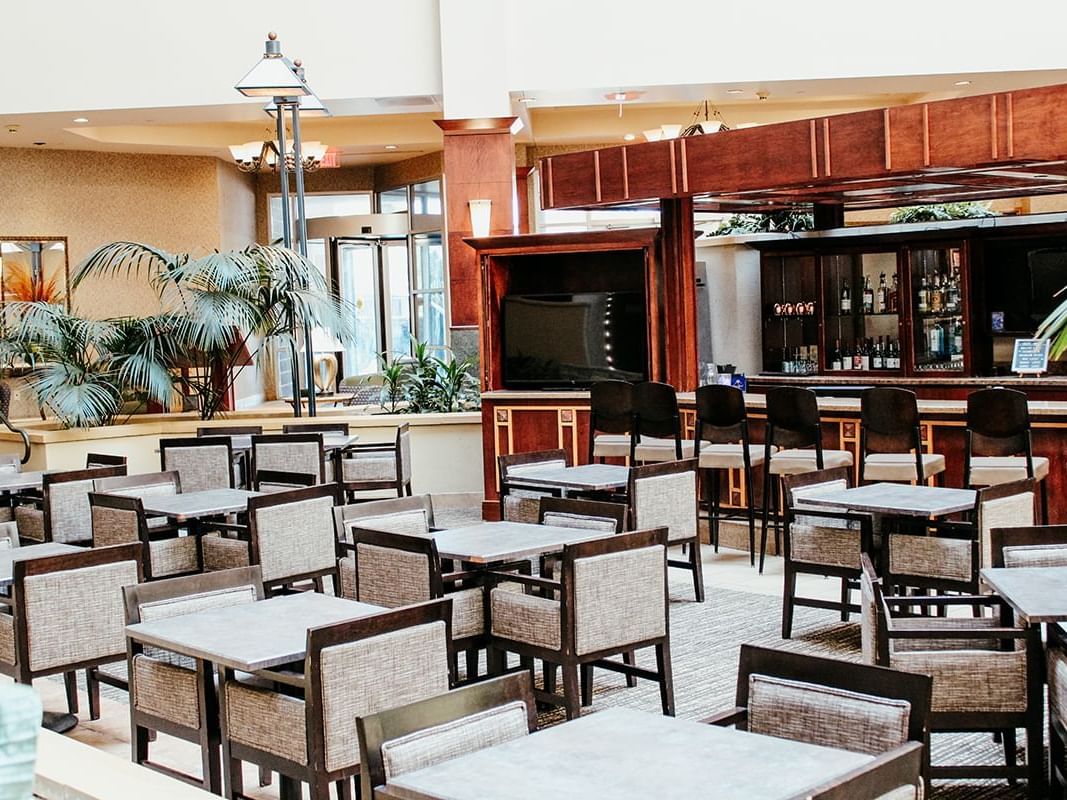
(850, 378)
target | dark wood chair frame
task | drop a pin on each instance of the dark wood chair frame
(316, 427)
(1023, 536)
(721, 418)
(834, 673)
(1005, 636)
(512, 460)
(691, 546)
(314, 773)
(145, 535)
(384, 507)
(104, 460)
(656, 414)
(1002, 428)
(898, 767)
(51, 479)
(290, 438)
(386, 726)
(793, 422)
(402, 486)
(197, 441)
(118, 483)
(566, 657)
(21, 671)
(142, 723)
(611, 410)
(889, 423)
(619, 512)
(259, 502)
(273, 476)
(849, 576)
(1057, 728)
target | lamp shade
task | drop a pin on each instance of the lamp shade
(653, 134)
(322, 341)
(481, 214)
(273, 75)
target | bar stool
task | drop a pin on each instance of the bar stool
(721, 442)
(792, 424)
(998, 445)
(611, 420)
(890, 439)
(657, 424)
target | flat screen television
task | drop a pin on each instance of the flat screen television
(555, 340)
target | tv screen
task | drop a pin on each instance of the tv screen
(574, 339)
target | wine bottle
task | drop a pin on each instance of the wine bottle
(835, 357)
(865, 355)
(846, 357)
(877, 357)
(881, 299)
(894, 296)
(846, 299)
(857, 355)
(924, 295)
(868, 296)
(892, 360)
(957, 337)
(937, 296)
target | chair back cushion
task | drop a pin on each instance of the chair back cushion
(1057, 683)
(391, 577)
(619, 598)
(305, 457)
(200, 468)
(514, 472)
(931, 557)
(114, 526)
(68, 510)
(76, 615)
(190, 604)
(824, 545)
(295, 538)
(369, 675)
(583, 521)
(667, 501)
(1013, 511)
(459, 737)
(404, 443)
(1036, 555)
(825, 715)
(9, 535)
(411, 523)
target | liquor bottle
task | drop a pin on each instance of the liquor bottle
(937, 296)
(952, 298)
(957, 337)
(935, 340)
(857, 355)
(865, 356)
(868, 296)
(924, 296)
(881, 297)
(835, 356)
(846, 358)
(877, 357)
(894, 296)
(846, 299)
(892, 360)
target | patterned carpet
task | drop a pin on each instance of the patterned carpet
(705, 641)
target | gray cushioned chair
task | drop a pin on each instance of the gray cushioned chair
(518, 501)
(204, 462)
(292, 452)
(373, 466)
(408, 515)
(62, 513)
(121, 520)
(291, 536)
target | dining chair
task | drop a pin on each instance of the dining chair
(103, 460)
(316, 427)
(372, 466)
(721, 443)
(170, 693)
(986, 672)
(408, 515)
(291, 452)
(998, 446)
(61, 514)
(203, 462)
(151, 484)
(891, 440)
(121, 520)
(829, 702)
(893, 775)
(242, 474)
(658, 424)
(1031, 546)
(821, 541)
(611, 420)
(519, 502)
(351, 669)
(272, 480)
(291, 537)
(9, 535)
(665, 495)
(1056, 676)
(595, 515)
(792, 444)
(66, 615)
(427, 732)
(611, 599)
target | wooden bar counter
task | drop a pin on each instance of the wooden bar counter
(522, 421)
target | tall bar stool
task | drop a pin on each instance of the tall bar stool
(721, 442)
(998, 447)
(611, 420)
(890, 439)
(657, 424)
(793, 425)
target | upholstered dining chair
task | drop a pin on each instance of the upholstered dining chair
(242, 473)
(9, 462)
(171, 693)
(437, 729)
(890, 438)
(374, 466)
(292, 452)
(203, 462)
(103, 460)
(1056, 675)
(272, 480)
(1031, 546)
(821, 541)
(986, 672)
(519, 501)
(611, 420)
(595, 515)
(412, 516)
(151, 484)
(292, 537)
(121, 520)
(352, 669)
(611, 599)
(666, 495)
(62, 512)
(9, 535)
(829, 702)
(67, 615)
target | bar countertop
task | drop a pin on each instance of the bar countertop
(850, 378)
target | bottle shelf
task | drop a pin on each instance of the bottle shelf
(861, 314)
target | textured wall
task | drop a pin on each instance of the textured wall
(410, 170)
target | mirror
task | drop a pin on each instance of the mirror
(34, 268)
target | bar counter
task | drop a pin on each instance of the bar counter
(523, 421)
(943, 388)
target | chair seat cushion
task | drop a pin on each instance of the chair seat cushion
(378, 467)
(611, 445)
(900, 466)
(653, 449)
(824, 546)
(174, 556)
(468, 612)
(729, 456)
(796, 462)
(30, 521)
(525, 618)
(7, 638)
(992, 470)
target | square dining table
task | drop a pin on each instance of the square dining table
(895, 499)
(28, 551)
(582, 478)
(189, 506)
(1036, 594)
(498, 542)
(626, 754)
(331, 440)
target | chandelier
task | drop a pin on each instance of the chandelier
(254, 156)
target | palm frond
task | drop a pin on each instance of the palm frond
(122, 259)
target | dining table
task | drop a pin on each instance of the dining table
(489, 543)
(8, 558)
(584, 478)
(895, 499)
(1036, 594)
(186, 507)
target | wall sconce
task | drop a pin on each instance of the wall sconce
(481, 211)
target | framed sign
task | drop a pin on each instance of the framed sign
(1030, 356)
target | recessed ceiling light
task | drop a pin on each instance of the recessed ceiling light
(390, 147)
(80, 120)
(735, 91)
(622, 97)
(963, 83)
(629, 137)
(40, 144)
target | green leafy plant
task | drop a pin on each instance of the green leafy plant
(424, 383)
(939, 212)
(393, 374)
(774, 222)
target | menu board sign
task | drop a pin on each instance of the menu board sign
(1030, 356)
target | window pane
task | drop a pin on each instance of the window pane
(358, 289)
(426, 197)
(396, 265)
(318, 205)
(430, 318)
(429, 262)
(393, 201)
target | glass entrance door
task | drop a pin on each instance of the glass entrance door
(359, 283)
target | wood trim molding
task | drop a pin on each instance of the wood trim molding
(452, 127)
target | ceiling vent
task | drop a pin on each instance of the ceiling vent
(406, 101)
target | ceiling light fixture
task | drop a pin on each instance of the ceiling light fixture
(735, 91)
(273, 75)
(629, 137)
(80, 120)
(254, 156)
(963, 83)
(390, 147)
